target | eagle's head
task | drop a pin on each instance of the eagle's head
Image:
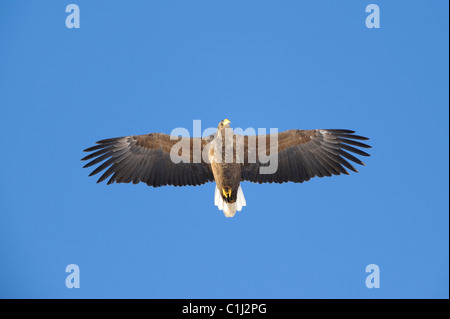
(224, 124)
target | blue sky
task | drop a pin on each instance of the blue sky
(151, 66)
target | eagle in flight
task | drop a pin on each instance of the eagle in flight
(227, 158)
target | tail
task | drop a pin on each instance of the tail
(229, 209)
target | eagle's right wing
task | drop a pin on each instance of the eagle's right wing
(303, 154)
(147, 158)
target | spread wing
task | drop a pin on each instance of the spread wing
(147, 158)
(303, 154)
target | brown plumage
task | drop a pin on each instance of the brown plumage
(301, 155)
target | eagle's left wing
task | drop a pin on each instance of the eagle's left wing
(303, 154)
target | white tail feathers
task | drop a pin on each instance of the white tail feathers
(229, 209)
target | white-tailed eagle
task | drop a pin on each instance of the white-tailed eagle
(158, 159)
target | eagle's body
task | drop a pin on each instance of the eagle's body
(228, 195)
(158, 159)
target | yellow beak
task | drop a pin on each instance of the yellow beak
(226, 122)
